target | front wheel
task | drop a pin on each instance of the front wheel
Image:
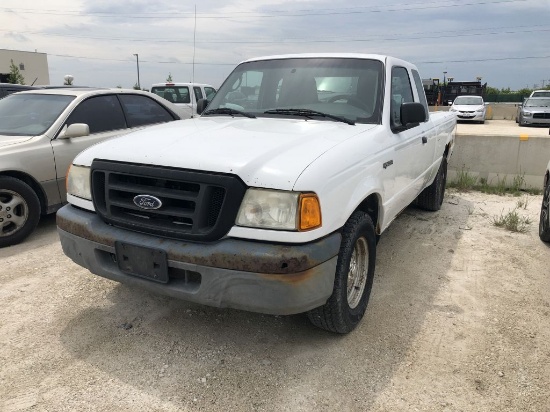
(19, 210)
(544, 223)
(353, 279)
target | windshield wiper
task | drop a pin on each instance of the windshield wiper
(229, 111)
(309, 113)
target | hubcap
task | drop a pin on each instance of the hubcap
(14, 212)
(358, 269)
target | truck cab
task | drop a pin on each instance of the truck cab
(184, 94)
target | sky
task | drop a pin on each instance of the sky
(505, 42)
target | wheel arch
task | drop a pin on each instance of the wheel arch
(34, 185)
(371, 206)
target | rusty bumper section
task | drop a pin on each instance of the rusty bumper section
(241, 274)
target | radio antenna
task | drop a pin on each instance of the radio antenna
(193, 70)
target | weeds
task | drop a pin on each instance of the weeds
(465, 181)
(522, 203)
(512, 221)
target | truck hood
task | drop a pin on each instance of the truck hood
(10, 140)
(263, 152)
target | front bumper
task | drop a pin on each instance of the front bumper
(472, 117)
(242, 274)
(534, 120)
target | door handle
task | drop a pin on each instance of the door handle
(424, 140)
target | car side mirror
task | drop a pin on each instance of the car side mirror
(202, 104)
(412, 114)
(75, 130)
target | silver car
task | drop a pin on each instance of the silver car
(41, 131)
(535, 111)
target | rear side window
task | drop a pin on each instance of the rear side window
(100, 113)
(210, 91)
(141, 110)
(420, 90)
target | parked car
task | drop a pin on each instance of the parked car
(9, 88)
(534, 111)
(268, 202)
(41, 131)
(540, 93)
(469, 108)
(544, 220)
(180, 94)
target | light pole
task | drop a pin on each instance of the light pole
(137, 63)
(444, 89)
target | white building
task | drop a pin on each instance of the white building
(32, 65)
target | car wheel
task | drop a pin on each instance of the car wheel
(431, 198)
(353, 279)
(19, 211)
(544, 226)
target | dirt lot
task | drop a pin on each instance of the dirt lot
(458, 321)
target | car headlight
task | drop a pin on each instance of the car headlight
(453, 109)
(78, 182)
(480, 110)
(279, 210)
(527, 114)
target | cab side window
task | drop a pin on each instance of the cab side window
(100, 113)
(210, 91)
(198, 93)
(401, 92)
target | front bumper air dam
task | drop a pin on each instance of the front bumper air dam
(279, 279)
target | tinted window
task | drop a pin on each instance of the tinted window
(100, 113)
(198, 93)
(141, 110)
(174, 94)
(401, 93)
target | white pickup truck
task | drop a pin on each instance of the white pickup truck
(273, 199)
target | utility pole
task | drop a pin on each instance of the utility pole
(137, 63)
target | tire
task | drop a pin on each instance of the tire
(19, 210)
(431, 198)
(356, 261)
(544, 227)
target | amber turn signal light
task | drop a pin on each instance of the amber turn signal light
(310, 212)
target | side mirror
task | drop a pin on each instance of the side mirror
(74, 130)
(202, 104)
(412, 114)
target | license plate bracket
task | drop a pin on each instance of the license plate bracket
(144, 262)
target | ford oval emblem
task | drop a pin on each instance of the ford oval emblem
(147, 202)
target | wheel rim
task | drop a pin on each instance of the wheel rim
(544, 211)
(14, 212)
(357, 274)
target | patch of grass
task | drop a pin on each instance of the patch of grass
(512, 221)
(464, 181)
(523, 203)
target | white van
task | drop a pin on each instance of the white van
(180, 94)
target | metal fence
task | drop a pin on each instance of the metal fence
(505, 98)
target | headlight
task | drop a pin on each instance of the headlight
(78, 182)
(480, 110)
(527, 114)
(280, 210)
(453, 109)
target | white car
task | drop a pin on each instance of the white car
(540, 93)
(180, 94)
(469, 108)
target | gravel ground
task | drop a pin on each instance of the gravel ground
(458, 321)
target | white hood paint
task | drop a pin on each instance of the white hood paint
(10, 140)
(468, 107)
(270, 153)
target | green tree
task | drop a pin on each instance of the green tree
(15, 76)
(169, 78)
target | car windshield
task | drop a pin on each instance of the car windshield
(537, 103)
(468, 101)
(30, 114)
(311, 88)
(541, 94)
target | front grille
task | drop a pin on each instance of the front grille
(541, 115)
(196, 205)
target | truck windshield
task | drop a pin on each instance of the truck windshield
(337, 87)
(30, 114)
